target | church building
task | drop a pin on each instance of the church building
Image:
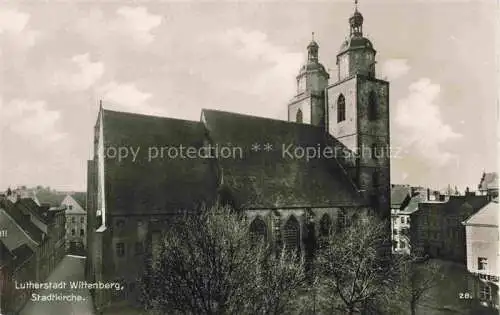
(286, 194)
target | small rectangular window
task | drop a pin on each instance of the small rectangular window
(482, 263)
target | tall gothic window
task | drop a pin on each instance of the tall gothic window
(258, 230)
(298, 117)
(341, 108)
(292, 234)
(325, 224)
(372, 106)
(341, 220)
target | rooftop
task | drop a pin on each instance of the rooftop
(486, 216)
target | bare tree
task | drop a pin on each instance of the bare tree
(208, 264)
(416, 277)
(354, 268)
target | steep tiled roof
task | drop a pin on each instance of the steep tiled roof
(399, 194)
(6, 256)
(29, 206)
(22, 253)
(161, 184)
(20, 227)
(81, 198)
(413, 203)
(489, 181)
(487, 215)
(271, 178)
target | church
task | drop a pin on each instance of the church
(285, 195)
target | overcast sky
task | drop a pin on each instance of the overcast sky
(175, 58)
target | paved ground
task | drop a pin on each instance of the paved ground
(70, 268)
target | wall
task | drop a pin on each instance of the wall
(483, 241)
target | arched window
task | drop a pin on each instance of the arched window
(298, 117)
(372, 106)
(341, 220)
(375, 152)
(291, 235)
(325, 224)
(258, 230)
(341, 108)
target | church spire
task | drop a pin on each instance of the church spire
(312, 50)
(356, 21)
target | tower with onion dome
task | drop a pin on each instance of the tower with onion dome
(358, 114)
(308, 105)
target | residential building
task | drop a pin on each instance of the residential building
(436, 227)
(76, 225)
(483, 250)
(130, 202)
(404, 202)
(400, 197)
(35, 238)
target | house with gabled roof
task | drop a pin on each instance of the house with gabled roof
(76, 224)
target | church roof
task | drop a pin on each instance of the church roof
(270, 178)
(251, 180)
(160, 184)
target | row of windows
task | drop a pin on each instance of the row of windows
(73, 232)
(82, 220)
(291, 233)
(341, 109)
(399, 244)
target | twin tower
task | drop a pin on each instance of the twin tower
(354, 109)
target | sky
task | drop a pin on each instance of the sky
(59, 58)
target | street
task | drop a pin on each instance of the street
(71, 268)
